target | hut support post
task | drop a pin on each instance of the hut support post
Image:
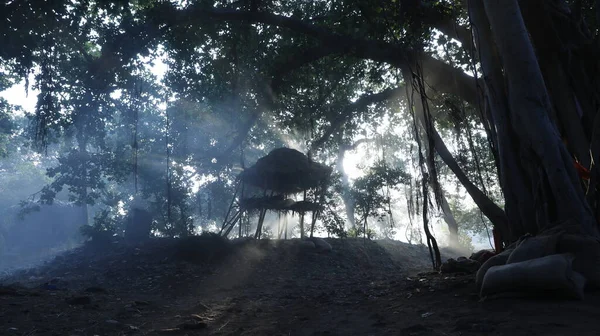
(261, 219)
(302, 219)
(234, 220)
(279, 226)
(241, 221)
(317, 212)
(237, 188)
(231, 224)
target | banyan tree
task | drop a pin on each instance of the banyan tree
(278, 177)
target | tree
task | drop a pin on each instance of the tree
(369, 195)
(249, 78)
(523, 115)
(227, 83)
(526, 119)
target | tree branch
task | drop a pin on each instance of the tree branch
(357, 143)
(460, 33)
(362, 103)
(439, 75)
(266, 103)
(295, 61)
(493, 212)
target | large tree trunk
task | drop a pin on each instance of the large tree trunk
(570, 72)
(559, 196)
(513, 180)
(535, 106)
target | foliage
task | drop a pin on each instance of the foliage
(241, 79)
(334, 223)
(360, 232)
(368, 193)
(470, 218)
(465, 241)
(104, 229)
(7, 126)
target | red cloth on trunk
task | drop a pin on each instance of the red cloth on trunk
(584, 173)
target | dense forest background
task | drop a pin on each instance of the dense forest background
(166, 102)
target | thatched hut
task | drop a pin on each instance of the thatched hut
(286, 171)
(283, 172)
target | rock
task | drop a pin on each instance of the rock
(462, 264)
(482, 255)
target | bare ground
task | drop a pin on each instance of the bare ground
(170, 287)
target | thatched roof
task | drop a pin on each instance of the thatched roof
(286, 171)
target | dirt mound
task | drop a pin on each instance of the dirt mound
(117, 263)
(115, 278)
(414, 258)
(209, 286)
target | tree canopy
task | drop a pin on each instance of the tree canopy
(434, 94)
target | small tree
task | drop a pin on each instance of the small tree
(368, 195)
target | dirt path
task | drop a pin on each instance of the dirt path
(270, 289)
